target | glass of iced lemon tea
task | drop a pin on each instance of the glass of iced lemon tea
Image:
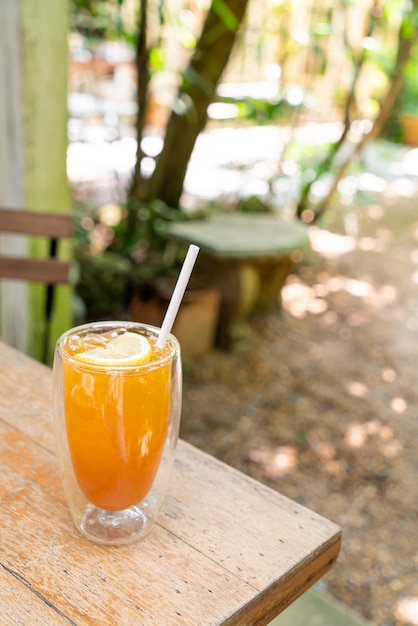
(117, 404)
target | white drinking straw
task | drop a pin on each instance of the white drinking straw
(177, 296)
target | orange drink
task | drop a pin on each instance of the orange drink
(116, 427)
(119, 396)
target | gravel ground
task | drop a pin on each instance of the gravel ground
(322, 405)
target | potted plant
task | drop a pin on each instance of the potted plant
(409, 101)
(127, 270)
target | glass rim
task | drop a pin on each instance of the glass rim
(115, 324)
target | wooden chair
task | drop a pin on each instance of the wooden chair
(49, 271)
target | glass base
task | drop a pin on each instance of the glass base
(114, 527)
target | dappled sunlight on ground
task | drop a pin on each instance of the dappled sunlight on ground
(330, 245)
(357, 435)
(300, 299)
(323, 406)
(281, 460)
(275, 461)
(357, 389)
(407, 611)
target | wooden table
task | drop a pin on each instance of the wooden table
(227, 550)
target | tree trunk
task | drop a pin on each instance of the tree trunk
(406, 42)
(189, 114)
(142, 71)
(404, 51)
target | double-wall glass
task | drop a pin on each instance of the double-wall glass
(116, 429)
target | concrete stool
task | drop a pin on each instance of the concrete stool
(247, 257)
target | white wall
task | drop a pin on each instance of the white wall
(12, 293)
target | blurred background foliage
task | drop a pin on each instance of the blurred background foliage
(200, 65)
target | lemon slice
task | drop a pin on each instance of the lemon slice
(126, 349)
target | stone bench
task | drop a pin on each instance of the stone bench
(247, 257)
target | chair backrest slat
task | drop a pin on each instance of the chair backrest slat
(52, 226)
(34, 270)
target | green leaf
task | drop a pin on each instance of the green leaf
(303, 436)
(221, 8)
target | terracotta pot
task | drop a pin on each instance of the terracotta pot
(409, 123)
(197, 319)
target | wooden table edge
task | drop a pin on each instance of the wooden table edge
(299, 580)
